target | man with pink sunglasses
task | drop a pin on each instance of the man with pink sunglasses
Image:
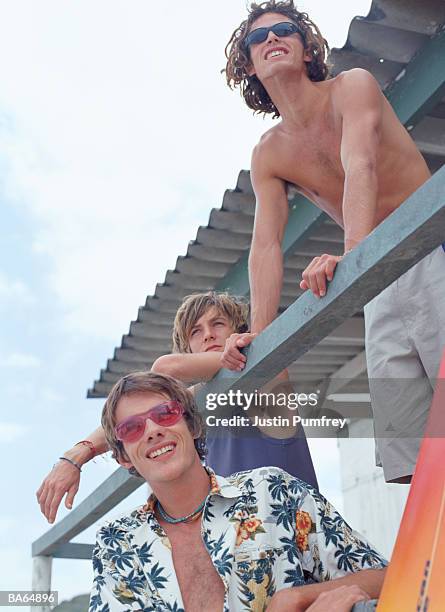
(260, 538)
(202, 325)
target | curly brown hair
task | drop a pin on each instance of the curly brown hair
(149, 382)
(238, 60)
(194, 306)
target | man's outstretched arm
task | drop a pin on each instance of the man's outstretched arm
(361, 109)
(189, 367)
(266, 259)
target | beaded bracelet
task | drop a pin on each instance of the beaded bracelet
(90, 446)
(72, 462)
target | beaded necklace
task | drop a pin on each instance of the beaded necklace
(182, 519)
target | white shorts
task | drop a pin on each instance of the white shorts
(405, 340)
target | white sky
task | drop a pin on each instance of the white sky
(117, 137)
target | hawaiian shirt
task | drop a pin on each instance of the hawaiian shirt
(263, 529)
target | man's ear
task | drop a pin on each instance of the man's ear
(250, 70)
(126, 464)
(123, 460)
(307, 57)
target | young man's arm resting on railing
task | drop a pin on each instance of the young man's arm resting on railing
(321, 597)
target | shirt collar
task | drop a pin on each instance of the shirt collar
(218, 486)
(224, 488)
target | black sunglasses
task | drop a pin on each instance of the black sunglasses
(284, 28)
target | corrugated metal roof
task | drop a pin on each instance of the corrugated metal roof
(383, 43)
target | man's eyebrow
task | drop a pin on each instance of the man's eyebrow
(220, 316)
(211, 320)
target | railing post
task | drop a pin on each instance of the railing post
(41, 578)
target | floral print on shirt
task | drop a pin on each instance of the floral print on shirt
(263, 529)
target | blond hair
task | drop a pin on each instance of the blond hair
(194, 306)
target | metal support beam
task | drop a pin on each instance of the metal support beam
(41, 578)
(350, 370)
(112, 491)
(421, 84)
(73, 550)
(404, 238)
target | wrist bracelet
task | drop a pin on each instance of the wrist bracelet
(90, 446)
(72, 462)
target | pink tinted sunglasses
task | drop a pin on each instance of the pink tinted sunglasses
(165, 414)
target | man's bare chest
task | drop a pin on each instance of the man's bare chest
(309, 158)
(201, 587)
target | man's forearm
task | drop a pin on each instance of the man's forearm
(189, 367)
(370, 581)
(359, 203)
(81, 453)
(266, 279)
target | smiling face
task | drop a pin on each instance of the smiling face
(210, 332)
(276, 54)
(163, 454)
(312, 62)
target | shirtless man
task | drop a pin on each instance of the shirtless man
(213, 544)
(341, 144)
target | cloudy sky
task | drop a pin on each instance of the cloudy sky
(117, 137)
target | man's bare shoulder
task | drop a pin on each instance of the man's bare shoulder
(267, 141)
(355, 77)
(265, 150)
(352, 84)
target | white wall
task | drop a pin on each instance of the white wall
(371, 506)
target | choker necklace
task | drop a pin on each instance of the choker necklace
(183, 519)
